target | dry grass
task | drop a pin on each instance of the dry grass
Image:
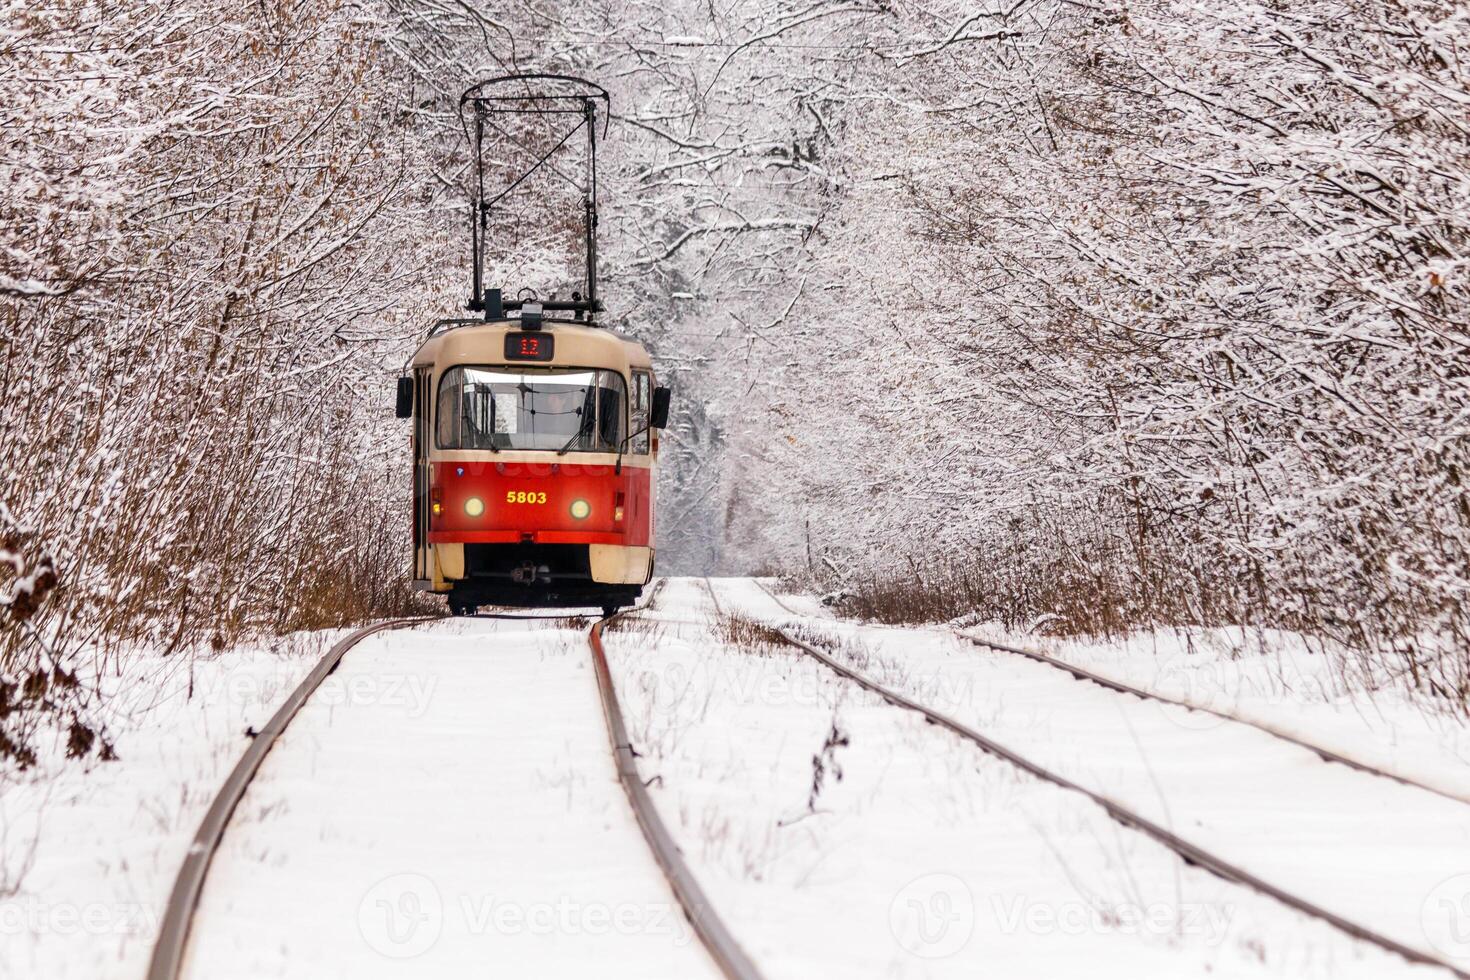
(333, 565)
(1066, 574)
(633, 623)
(745, 633)
(825, 763)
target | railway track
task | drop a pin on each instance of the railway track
(1083, 674)
(1191, 853)
(171, 946)
(1321, 751)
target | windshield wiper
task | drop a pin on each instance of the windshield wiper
(575, 436)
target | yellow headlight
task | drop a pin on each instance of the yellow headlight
(474, 507)
(580, 509)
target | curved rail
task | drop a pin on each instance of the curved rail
(178, 915)
(725, 950)
(1191, 853)
(1322, 752)
(1083, 674)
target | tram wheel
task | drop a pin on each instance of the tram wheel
(459, 607)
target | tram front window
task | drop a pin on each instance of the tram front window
(555, 409)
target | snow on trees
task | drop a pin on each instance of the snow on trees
(1103, 314)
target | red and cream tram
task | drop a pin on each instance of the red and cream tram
(535, 440)
(535, 447)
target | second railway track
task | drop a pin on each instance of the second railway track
(1189, 851)
(1321, 751)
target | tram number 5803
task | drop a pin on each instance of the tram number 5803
(524, 497)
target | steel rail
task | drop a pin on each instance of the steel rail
(1322, 752)
(178, 916)
(1083, 674)
(720, 610)
(1191, 853)
(727, 953)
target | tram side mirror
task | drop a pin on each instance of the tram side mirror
(658, 417)
(405, 398)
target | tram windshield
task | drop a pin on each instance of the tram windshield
(556, 409)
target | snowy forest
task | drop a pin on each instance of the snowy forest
(1079, 316)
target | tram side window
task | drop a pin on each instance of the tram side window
(466, 416)
(642, 399)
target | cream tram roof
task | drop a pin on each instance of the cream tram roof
(576, 345)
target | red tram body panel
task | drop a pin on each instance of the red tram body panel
(532, 503)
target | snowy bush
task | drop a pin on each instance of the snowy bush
(211, 253)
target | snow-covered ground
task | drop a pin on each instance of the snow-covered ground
(925, 837)
(1389, 857)
(447, 805)
(104, 843)
(1279, 681)
(477, 828)
(1273, 679)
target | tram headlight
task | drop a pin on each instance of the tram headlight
(474, 507)
(580, 509)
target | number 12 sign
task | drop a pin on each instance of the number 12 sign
(524, 346)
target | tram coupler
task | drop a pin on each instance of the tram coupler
(529, 573)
